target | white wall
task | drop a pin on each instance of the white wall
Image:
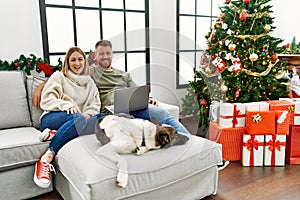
(20, 31)
(21, 34)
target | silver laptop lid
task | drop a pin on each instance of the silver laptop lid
(131, 99)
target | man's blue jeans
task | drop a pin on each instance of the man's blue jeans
(163, 116)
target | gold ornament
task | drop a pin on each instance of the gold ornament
(280, 74)
(218, 25)
(267, 28)
(231, 47)
(253, 57)
(224, 88)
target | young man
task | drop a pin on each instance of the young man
(108, 78)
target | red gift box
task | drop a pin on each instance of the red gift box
(230, 138)
(260, 122)
(292, 151)
(283, 105)
(282, 128)
(274, 152)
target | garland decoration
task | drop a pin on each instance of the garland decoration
(264, 73)
(27, 64)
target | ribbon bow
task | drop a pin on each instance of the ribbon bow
(252, 143)
(256, 118)
(290, 109)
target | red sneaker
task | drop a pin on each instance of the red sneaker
(42, 174)
(47, 135)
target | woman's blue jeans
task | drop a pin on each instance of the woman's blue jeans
(68, 126)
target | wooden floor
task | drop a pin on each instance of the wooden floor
(242, 183)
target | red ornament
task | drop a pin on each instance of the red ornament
(243, 16)
(274, 57)
(16, 64)
(246, 1)
(203, 102)
(28, 63)
(237, 94)
(227, 1)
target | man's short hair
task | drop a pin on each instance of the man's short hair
(103, 43)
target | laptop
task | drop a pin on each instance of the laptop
(130, 99)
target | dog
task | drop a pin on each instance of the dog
(122, 134)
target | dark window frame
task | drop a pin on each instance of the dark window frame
(45, 42)
(195, 50)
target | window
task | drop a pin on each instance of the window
(82, 23)
(194, 19)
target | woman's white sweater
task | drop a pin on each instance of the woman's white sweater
(61, 93)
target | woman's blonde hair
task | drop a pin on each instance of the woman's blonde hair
(66, 65)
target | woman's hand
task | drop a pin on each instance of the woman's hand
(73, 110)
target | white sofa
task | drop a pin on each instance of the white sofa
(181, 172)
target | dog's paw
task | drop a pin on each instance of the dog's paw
(122, 179)
(140, 150)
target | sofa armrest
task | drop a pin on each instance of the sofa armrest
(174, 110)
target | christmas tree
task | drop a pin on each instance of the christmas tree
(240, 63)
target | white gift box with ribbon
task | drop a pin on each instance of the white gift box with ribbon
(232, 115)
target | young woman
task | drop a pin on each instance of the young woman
(71, 105)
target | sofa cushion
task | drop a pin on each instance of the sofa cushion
(32, 83)
(20, 147)
(94, 177)
(13, 107)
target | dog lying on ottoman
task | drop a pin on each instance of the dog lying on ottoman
(121, 134)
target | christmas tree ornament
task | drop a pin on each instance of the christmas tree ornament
(243, 15)
(250, 87)
(219, 63)
(280, 74)
(264, 62)
(227, 1)
(267, 28)
(237, 94)
(232, 47)
(208, 70)
(236, 65)
(274, 57)
(218, 25)
(253, 57)
(203, 102)
(246, 1)
(263, 54)
(224, 88)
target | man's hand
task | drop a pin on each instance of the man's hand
(153, 101)
(36, 96)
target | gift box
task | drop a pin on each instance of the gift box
(253, 150)
(232, 115)
(214, 111)
(274, 150)
(282, 122)
(283, 105)
(257, 106)
(260, 123)
(230, 138)
(292, 151)
(296, 114)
